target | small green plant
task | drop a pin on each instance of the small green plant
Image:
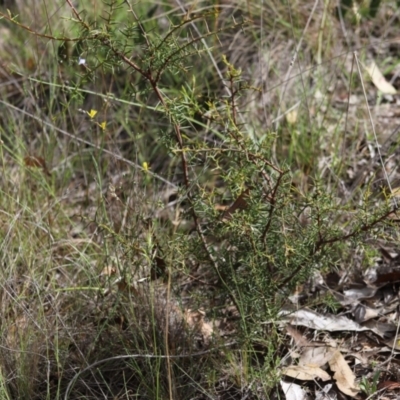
(370, 387)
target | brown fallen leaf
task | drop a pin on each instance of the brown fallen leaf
(317, 356)
(344, 376)
(311, 362)
(389, 385)
(239, 204)
(306, 372)
(299, 339)
(37, 162)
(391, 277)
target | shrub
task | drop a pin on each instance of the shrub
(243, 237)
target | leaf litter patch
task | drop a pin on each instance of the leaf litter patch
(353, 353)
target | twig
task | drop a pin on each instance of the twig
(323, 242)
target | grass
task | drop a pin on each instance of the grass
(160, 202)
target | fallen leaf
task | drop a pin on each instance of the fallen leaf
(306, 372)
(390, 385)
(293, 391)
(343, 375)
(195, 321)
(326, 393)
(37, 162)
(379, 80)
(391, 277)
(331, 323)
(299, 339)
(317, 356)
(239, 204)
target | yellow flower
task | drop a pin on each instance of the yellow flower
(92, 113)
(103, 125)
